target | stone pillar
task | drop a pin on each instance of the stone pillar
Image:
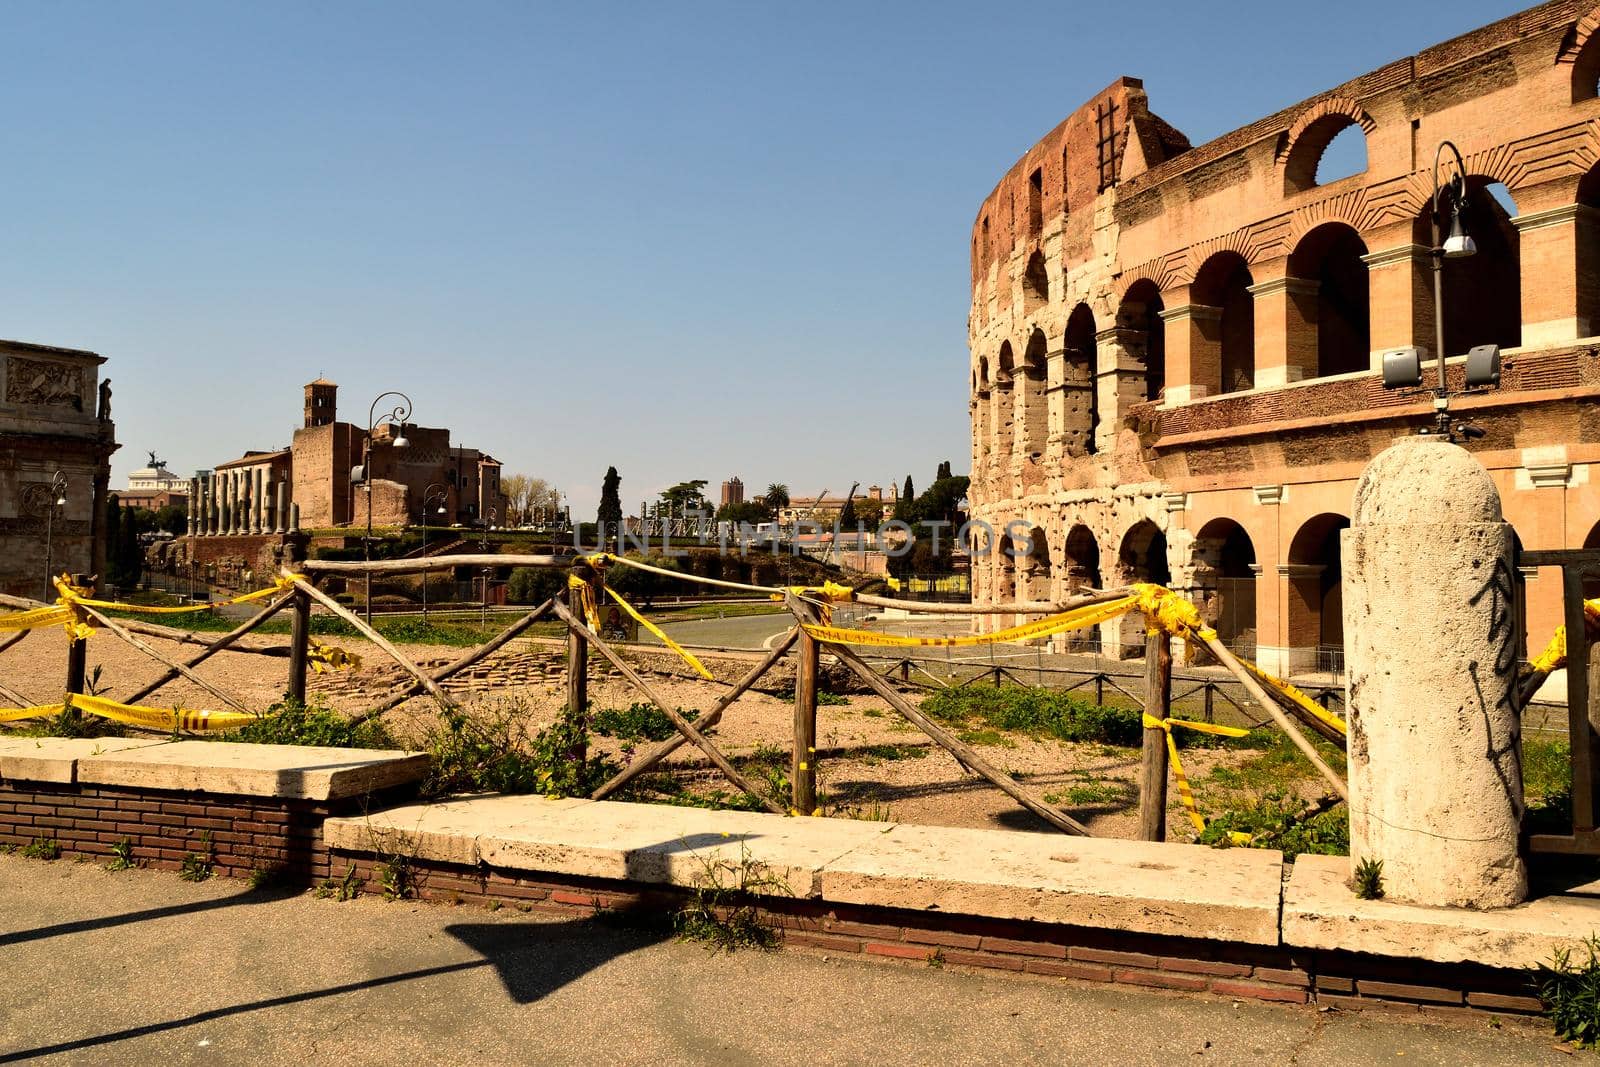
(213, 521)
(203, 526)
(1286, 331)
(1194, 351)
(1560, 278)
(1400, 298)
(1113, 366)
(258, 501)
(283, 505)
(1431, 646)
(194, 500)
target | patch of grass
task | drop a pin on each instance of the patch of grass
(491, 751)
(122, 856)
(872, 713)
(661, 787)
(1062, 716)
(722, 914)
(265, 877)
(342, 889)
(290, 722)
(1278, 820)
(639, 721)
(42, 848)
(1571, 994)
(1093, 794)
(198, 866)
(986, 736)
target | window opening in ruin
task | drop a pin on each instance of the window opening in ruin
(1079, 391)
(1587, 240)
(1316, 605)
(1038, 564)
(1036, 202)
(1346, 154)
(1035, 283)
(1586, 71)
(986, 237)
(1107, 142)
(1225, 582)
(1147, 335)
(1004, 410)
(1035, 404)
(1083, 558)
(1143, 557)
(1066, 185)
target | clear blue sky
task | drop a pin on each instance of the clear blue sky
(692, 240)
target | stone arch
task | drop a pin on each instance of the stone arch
(1581, 51)
(1315, 610)
(1081, 417)
(1339, 309)
(1142, 556)
(1223, 354)
(1035, 423)
(1587, 239)
(1003, 410)
(1082, 556)
(980, 398)
(1145, 337)
(1308, 138)
(1035, 283)
(1037, 569)
(1482, 292)
(1225, 570)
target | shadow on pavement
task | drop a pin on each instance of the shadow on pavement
(533, 960)
(79, 926)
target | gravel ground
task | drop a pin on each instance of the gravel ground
(914, 779)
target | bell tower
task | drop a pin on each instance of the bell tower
(321, 402)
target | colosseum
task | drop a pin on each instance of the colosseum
(1176, 348)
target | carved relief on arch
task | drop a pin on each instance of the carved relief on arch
(1301, 146)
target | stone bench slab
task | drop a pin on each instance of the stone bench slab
(1137, 886)
(445, 831)
(55, 759)
(1320, 911)
(224, 767)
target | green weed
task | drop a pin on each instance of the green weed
(723, 914)
(638, 722)
(342, 889)
(492, 752)
(1278, 820)
(42, 848)
(1368, 880)
(290, 722)
(122, 856)
(1571, 994)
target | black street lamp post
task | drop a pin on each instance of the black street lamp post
(401, 412)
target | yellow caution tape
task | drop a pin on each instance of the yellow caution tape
(1554, 656)
(325, 658)
(138, 715)
(1185, 793)
(893, 583)
(683, 653)
(591, 612)
(832, 592)
(1294, 694)
(34, 618)
(64, 613)
(1076, 619)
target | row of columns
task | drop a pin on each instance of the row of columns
(239, 502)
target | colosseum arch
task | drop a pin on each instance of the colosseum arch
(1581, 51)
(1082, 407)
(1035, 283)
(1330, 258)
(1225, 582)
(1005, 569)
(1082, 553)
(1588, 252)
(1308, 139)
(1139, 316)
(1315, 615)
(1223, 353)
(1141, 557)
(1482, 292)
(980, 398)
(1035, 422)
(1002, 402)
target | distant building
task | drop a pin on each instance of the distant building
(732, 492)
(317, 474)
(55, 418)
(154, 487)
(824, 509)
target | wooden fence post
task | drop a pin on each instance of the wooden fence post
(77, 659)
(803, 761)
(1153, 767)
(299, 646)
(578, 661)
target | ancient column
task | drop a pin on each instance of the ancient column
(258, 500)
(1431, 646)
(283, 506)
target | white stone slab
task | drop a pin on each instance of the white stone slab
(225, 767)
(1321, 912)
(657, 843)
(55, 759)
(444, 831)
(1145, 887)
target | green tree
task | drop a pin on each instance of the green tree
(173, 519)
(753, 512)
(905, 509)
(686, 496)
(533, 585)
(943, 471)
(938, 504)
(777, 496)
(609, 516)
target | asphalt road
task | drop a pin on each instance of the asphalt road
(139, 967)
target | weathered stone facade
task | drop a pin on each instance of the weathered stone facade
(55, 416)
(1174, 348)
